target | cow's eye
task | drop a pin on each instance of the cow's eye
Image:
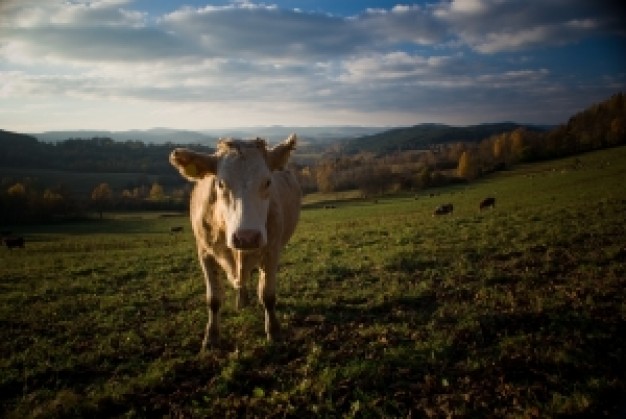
(267, 183)
(220, 184)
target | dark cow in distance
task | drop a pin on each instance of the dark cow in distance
(443, 209)
(13, 242)
(176, 229)
(487, 203)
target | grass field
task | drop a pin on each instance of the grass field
(519, 311)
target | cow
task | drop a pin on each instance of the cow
(443, 209)
(176, 229)
(487, 202)
(244, 208)
(13, 242)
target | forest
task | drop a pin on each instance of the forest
(416, 165)
(423, 136)
(405, 159)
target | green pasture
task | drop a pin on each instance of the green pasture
(517, 311)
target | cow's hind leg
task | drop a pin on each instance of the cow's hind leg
(214, 300)
(267, 296)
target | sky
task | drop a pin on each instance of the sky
(123, 64)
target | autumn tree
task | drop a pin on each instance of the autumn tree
(52, 199)
(374, 181)
(454, 152)
(325, 177)
(17, 190)
(15, 207)
(156, 192)
(467, 167)
(306, 178)
(422, 177)
(101, 196)
(500, 152)
(518, 144)
(617, 131)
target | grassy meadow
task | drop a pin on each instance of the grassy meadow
(517, 311)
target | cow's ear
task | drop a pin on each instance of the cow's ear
(192, 165)
(278, 156)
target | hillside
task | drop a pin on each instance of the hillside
(93, 155)
(310, 135)
(151, 136)
(423, 136)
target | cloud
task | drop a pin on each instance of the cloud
(109, 30)
(260, 32)
(393, 63)
(82, 44)
(401, 24)
(32, 13)
(243, 29)
(394, 66)
(491, 26)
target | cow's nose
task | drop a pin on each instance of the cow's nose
(247, 239)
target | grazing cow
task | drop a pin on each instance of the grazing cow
(244, 208)
(176, 229)
(487, 202)
(443, 209)
(13, 242)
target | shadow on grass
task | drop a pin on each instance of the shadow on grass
(562, 361)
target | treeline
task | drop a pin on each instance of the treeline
(28, 193)
(424, 136)
(600, 126)
(101, 155)
(29, 201)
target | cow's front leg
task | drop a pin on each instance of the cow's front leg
(240, 283)
(213, 298)
(267, 296)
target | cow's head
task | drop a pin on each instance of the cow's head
(241, 176)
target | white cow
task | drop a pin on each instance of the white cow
(244, 208)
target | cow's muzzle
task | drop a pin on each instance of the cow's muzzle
(247, 239)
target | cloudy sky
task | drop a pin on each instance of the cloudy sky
(124, 64)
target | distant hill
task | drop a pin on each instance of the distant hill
(151, 136)
(90, 155)
(15, 138)
(209, 137)
(423, 136)
(19, 149)
(324, 134)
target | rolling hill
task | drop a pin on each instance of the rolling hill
(422, 136)
(275, 133)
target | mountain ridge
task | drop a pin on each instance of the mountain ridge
(163, 135)
(425, 135)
